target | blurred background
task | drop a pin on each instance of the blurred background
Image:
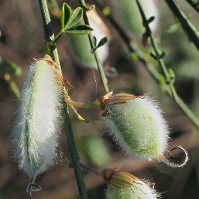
(22, 36)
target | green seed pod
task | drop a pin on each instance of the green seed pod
(123, 185)
(37, 126)
(137, 125)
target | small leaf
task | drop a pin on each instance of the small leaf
(43, 49)
(162, 55)
(17, 70)
(172, 75)
(65, 15)
(149, 21)
(189, 16)
(95, 40)
(75, 18)
(102, 41)
(153, 55)
(172, 28)
(80, 30)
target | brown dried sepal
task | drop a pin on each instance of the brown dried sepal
(110, 100)
(61, 79)
(119, 179)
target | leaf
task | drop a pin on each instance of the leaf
(162, 55)
(95, 40)
(65, 15)
(102, 41)
(75, 18)
(80, 30)
(172, 75)
(153, 55)
(172, 28)
(148, 21)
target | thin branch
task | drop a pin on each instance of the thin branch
(188, 27)
(66, 119)
(151, 69)
(90, 37)
(157, 52)
(194, 4)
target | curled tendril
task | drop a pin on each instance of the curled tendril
(185, 157)
(30, 188)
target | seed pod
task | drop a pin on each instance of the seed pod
(35, 132)
(137, 125)
(123, 185)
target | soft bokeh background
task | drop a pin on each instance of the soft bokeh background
(22, 36)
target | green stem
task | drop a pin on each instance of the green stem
(89, 169)
(66, 121)
(154, 73)
(82, 105)
(157, 52)
(194, 4)
(57, 37)
(188, 27)
(90, 37)
(154, 45)
(49, 35)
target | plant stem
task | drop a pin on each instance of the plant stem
(80, 104)
(66, 119)
(90, 37)
(194, 4)
(49, 35)
(157, 52)
(188, 27)
(154, 73)
(89, 169)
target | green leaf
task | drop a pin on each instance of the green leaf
(149, 21)
(172, 75)
(95, 40)
(80, 30)
(65, 15)
(75, 18)
(172, 28)
(153, 55)
(17, 70)
(162, 55)
(102, 41)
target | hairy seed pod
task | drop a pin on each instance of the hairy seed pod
(123, 185)
(35, 132)
(137, 125)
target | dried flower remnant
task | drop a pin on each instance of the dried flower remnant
(37, 125)
(136, 123)
(123, 185)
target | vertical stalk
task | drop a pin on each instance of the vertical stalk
(66, 120)
(49, 35)
(90, 37)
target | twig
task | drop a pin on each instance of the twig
(154, 73)
(90, 37)
(66, 120)
(194, 4)
(188, 27)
